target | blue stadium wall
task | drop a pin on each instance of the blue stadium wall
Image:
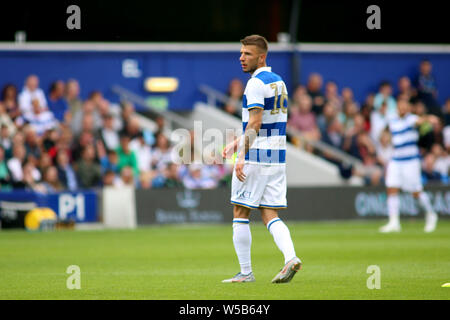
(100, 69)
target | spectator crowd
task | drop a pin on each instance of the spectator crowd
(54, 141)
(321, 112)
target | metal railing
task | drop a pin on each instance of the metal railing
(214, 95)
(174, 119)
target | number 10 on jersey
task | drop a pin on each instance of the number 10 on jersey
(284, 97)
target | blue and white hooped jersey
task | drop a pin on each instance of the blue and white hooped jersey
(404, 137)
(266, 90)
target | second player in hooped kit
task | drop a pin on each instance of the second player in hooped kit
(259, 178)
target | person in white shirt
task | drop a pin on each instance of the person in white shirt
(40, 119)
(109, 134)
(30, 92)
(384, 148)
(378, 122)
(143, 153)
(15, 163)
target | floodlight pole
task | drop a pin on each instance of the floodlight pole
(293, 29)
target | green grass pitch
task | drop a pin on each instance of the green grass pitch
(189, 262)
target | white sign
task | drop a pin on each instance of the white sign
(130, 69)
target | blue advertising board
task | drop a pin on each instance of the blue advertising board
(78, 206)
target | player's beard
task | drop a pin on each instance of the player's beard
(252, 69)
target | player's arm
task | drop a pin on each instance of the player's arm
(255, 106)
(253, 127)
(249, 136)
(231, 148)
(432, 119)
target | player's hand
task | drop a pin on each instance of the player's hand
(228, 151)
(433, 120)
(239, 167)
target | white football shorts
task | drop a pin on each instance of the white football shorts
(264, 186)
(405, 175)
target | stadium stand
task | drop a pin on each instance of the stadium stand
(334, 137)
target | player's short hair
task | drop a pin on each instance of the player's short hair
(256, 40)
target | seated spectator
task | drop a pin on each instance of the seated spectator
(50, 142)
(56, 102)
(5, 178)
(45, 162)
(18, 138)
(362, 147)
(133, 127)
(126, 156)
(304, 120)
(6, 120)
(87, 169)
(172, 177)
(332, 135)
(72, 96)
(6, 141)
(385, 95)
(126, 177)
(235, 92)
(299, 91)
(161, 127)
(426, 87)
(127, 112)
(429, 173)
(112, 109)
(366, 147)
(347, 116)
(446, 112)
(16, 162)
(96, 97)
(38, 118)
(348, 97)
(66, 173)
(314, 89)
(87, 115)
(438, 129)
(366, 111)
(446, 136)
(371, 172)
(145, 180)
(30, 92)
(86, 138)
(406, 90)
(33, 144)
(352, 144)
(384, 148)
(109, 162)
(442, 160)
(196, 178)
(162, 152)
(51, 180)
(329, 114)
(9, 100)
(143, 152)
(332, 94)
(88, 125)
(35, 164)
(109, 179)
(29, 182)
(109, 134)
(378, 121)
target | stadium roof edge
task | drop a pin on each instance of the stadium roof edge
(199, 47)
